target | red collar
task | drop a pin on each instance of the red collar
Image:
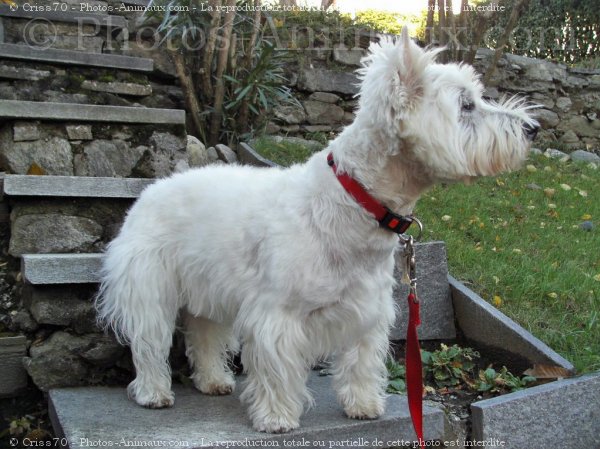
(386, 218)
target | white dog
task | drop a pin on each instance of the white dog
(286, 261)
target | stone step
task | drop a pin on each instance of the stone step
(12, 373)
(35, 110)
(73, 186)
(52, 269)
(73, 57)
(70, 16)
(199, 421)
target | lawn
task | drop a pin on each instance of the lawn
(520, 241)
(523, 242)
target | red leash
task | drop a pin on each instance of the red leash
(414, 370)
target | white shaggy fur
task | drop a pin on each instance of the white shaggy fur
(284, 261)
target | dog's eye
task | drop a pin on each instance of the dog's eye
(468, 106)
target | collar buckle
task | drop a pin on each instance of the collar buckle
(394, 222)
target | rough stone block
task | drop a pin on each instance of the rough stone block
(52, 233)
(348, 56)
(63, 306)
(79, 132)
(248, 156)
(322, 80)
(107, 158)
(226, 154)
(483, 324)
(548, 119)
(115, 87)
(53, 155)
(167, 151)
(196, 153)
(22, 73)
(12, 372)
(319, 113)
(198, 421)
(290, 114)
(64, 359)
(26, 131)
(325, 97)
(437, 317)
(563, 414)
(585, 156)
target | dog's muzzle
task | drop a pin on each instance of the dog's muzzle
(531, 130)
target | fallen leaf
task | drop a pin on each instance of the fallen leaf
(496, 279)
(583, 193)
(497, 301)
(552, 295)
(517, 251)
(531, 168)
(446, 218)
(586, 217)
(597, 277)
(566, 187)
(499, 182)
(542, 371)
(35, 169)
(549, 192)
(551, 205)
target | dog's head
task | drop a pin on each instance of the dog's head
(437, 115)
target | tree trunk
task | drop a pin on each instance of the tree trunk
(189, 93)
(244, 112)
(429, 34)
(451, 31)
(209, 50)
(442, 27)
(215, 125)
(325, 4)
(518, 7)
(462, 23)
(480, 27)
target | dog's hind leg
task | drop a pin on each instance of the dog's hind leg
(206, 344)
(138, 300)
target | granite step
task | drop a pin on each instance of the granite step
(73, 57)
(35, 110)
(198, 421)
(53, 269)
(73, 186)
(73, 16)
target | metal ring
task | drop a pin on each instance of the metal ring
(418, 237)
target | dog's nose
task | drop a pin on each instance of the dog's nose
(531, 130)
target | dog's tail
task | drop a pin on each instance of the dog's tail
(135, 291)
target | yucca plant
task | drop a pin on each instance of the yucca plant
(231, 75)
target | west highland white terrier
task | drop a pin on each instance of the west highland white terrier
(289, 263)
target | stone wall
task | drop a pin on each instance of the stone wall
(325, 84)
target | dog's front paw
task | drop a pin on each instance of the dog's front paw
(215, 388)
(275, 424)
(150, 398)
(371, 411)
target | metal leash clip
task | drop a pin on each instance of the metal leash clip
(409, 276)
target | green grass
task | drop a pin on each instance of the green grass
(284, 153)
(523, 250)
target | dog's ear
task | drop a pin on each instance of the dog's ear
(409, 82)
